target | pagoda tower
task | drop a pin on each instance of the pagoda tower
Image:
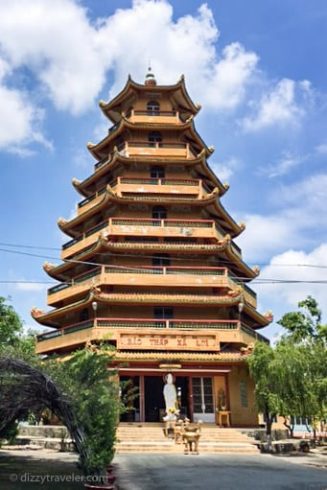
(151, 265)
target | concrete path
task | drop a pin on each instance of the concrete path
(216, 472)
(50, 470)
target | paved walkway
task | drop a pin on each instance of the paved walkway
(18, 470)
(216, 472)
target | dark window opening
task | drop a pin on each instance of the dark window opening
(154, 138)
(157, 172)
(163, 313)
(153, 108)
(162, 260)
(159, 212)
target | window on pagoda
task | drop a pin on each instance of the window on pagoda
(159, 212)
(154, 138)
(153, 108)
(163, 313)
(162, 260)
(157, 172)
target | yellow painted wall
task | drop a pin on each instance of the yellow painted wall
(241, 416)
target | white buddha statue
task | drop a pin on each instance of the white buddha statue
(170, 396)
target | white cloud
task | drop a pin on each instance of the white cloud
(302, 212)
(321, 149)
(29, 286)
(70, 56)
(287, 266)
(20, 119)
(226, 169)
(283, 166)
(283, 105)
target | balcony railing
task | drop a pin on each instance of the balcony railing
(185, 275)
(151, 113)
(156, 270)
(137, 181)
(156, 148)
(201, 223)
(184, 226)
(187, 182)
(120, 323)
(91, 198)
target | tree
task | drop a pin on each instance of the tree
(11, 325)
(262, 370)
(305, 324)
(93, 391)
(309, 335)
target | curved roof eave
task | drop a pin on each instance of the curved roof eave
(106, 107)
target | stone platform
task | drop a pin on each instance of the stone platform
(142, 438)
(149, 438)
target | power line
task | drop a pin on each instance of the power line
(144, 270)
(221, 261)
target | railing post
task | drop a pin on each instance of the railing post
(119, 191)
(167, 323)
(162, 223)
(187, 150)
(200, 189)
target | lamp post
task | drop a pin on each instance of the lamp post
(94, 308)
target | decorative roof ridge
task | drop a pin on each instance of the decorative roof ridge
(262, 318)
(131, 84)
(116, 156)
(193, 356)
(96, 294)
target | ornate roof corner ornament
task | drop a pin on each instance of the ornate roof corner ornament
(242, 226)
(48, 266)
(190, 118)
(237, 291)
(256, 269)
(226, 185)
(90, 145)
(227, 238)
(198, 106)
(245, 351)
(269, 316)
(102, 103)
(104, 237)
(211, 149)
(62, 221)
(182, 78)
(36, 312)
(201, 154)
(76, 181)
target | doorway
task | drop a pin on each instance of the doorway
(154, 404)
(182, 387)
(203, 406)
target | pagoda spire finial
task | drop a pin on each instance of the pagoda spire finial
(149, 77)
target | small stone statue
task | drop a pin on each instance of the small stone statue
(170, 396)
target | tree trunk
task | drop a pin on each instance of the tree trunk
(269, 421)
(290, 427)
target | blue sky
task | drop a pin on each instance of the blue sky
(259, 71)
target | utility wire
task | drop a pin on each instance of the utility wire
(220, 261)
(144, 270)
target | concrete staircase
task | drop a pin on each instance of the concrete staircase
(149, 438)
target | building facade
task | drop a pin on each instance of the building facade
(152, 267)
